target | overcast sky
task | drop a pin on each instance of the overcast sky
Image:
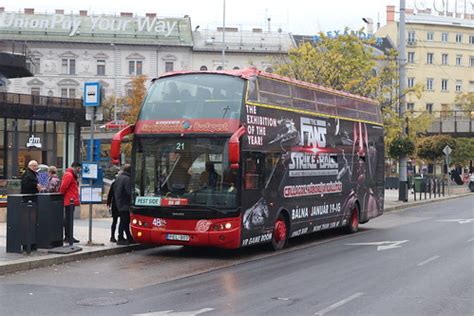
(296, 16)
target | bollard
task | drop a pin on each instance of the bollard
(425, 186)
(429, 186)
(414, 192)
(421, 189)
(28, 230)
(442, 183)
(71, 221)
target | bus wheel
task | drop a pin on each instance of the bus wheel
(280, 234)
(353, 225)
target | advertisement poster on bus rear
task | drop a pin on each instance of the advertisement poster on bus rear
(315, 167)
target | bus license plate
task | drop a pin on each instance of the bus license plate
(177, 237)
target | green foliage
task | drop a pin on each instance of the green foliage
(464, 151)
(431, 148)
(401, 146)
(350, 64)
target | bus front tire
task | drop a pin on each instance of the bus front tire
(280, 234)
(353, 225)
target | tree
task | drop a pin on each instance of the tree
(108, 107)
(431, 148)
(466, 100)
(464, 151)
(133, 103)
(349, 63)
(135, 100)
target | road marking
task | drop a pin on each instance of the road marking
(381, 245)
(427, 260)
(459, 220)
(173, 313)
(339, 304)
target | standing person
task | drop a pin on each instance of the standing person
(115, 213)
(123, 198)
(29, 181)
(70, 188)
(53, 180)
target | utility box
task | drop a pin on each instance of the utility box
(50, 220)
(21, 222)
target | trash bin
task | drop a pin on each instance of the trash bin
(417, 184)
(21, 222)
(50, 219)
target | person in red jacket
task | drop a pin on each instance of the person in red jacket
(70, 188)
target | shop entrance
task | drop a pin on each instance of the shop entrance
(25, 155)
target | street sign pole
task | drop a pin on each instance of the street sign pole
(92, 99)
(91, 152)
(447, 151)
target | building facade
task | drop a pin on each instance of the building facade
(70, 49)
(440, 56)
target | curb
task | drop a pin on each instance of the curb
(424, 202)
(25, 264)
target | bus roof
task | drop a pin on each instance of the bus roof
(248, 73)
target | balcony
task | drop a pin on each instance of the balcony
(13, 57)
(456, 123)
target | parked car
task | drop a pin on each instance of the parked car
(471, 183)
(116, 124)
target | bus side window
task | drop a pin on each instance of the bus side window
(253, 172)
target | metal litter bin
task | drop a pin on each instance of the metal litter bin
(21, 222)
(417, 183)
(50, 220)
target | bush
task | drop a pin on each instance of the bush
(401, 146)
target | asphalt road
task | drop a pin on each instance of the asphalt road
(418, 261)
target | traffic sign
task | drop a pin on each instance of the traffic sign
(91, 94)
(447, 150)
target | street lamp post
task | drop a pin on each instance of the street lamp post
(223, 37)
(403, 180)
(115, 81)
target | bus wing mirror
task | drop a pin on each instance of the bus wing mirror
(117, 141)
(234, 148)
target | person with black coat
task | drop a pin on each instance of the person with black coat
(123, 199)
(115, 213)
(29, 181)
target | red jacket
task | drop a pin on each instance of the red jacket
(70, 187)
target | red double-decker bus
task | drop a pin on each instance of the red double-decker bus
(236, 158)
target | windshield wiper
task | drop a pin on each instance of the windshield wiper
(187, 206)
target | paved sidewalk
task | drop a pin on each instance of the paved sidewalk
(12, 262)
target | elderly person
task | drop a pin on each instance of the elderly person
(29, 181)
(53, 180)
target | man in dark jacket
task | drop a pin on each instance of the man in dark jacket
(29, 181)
(112, 205)
(123, 198)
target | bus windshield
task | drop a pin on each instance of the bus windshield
(194, 96)
(188, 171)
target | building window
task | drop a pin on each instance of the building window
(429, 107)
(100, 67)
(68, 93)
(444, 84)
(458, 85)
(471, 61)
(471, 39)
(429, 84)
(458, 60)
(429, 36)
(410, 106)
(411, 37)
(135, 67)
(444, 37)
(411, 57)
(429, 58)
(169, 66)
(444, 59)
(203, 68)
(68, 66)
(34, 66)
(471, 86)
(411, 82)
(458, 38)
